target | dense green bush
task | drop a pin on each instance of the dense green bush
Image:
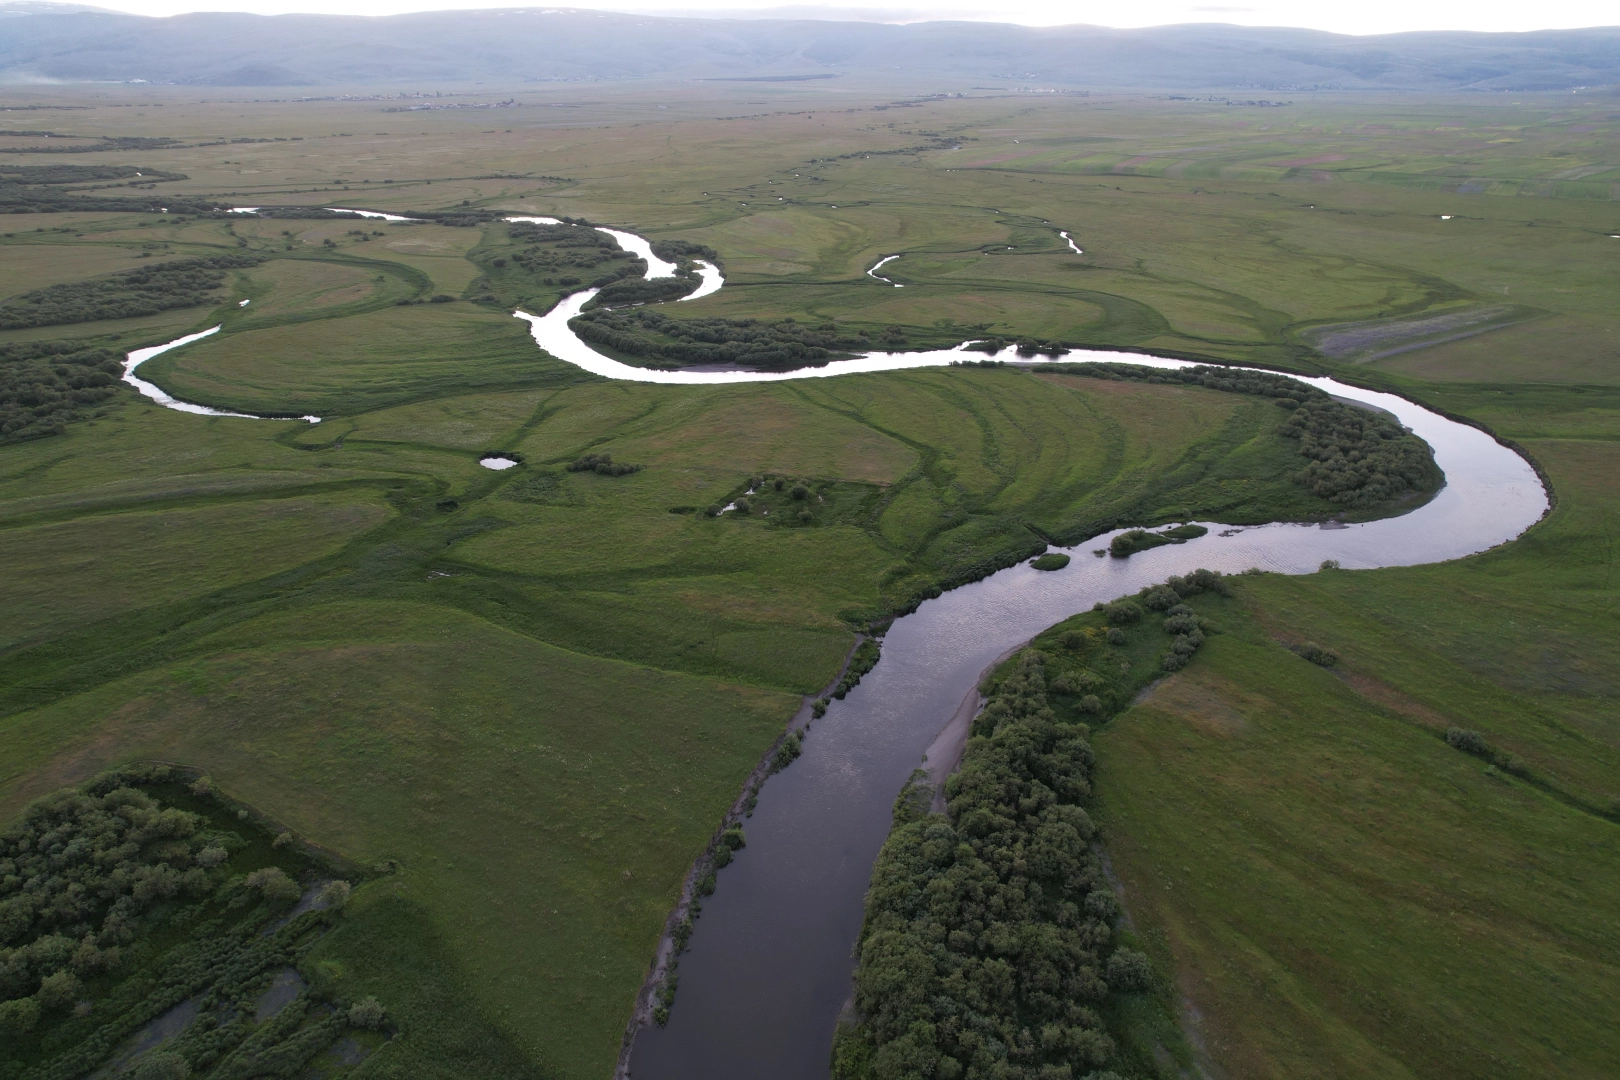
(1358, 458)
(792, 746)
(1122, 613)
(773, 346)
(1469, 742)
(45, 385)
(1052, 560)
(116, 905)
(603, 465)
(867, 654)
(1316, 654)
(983, 954)
(144, 291)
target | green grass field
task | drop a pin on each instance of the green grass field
(537, 690)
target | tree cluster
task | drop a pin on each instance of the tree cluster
(116, 906)
(129, 293)
(1357, 458)
(988, 946)
(570, 251)
(45, 385)
(770, 346)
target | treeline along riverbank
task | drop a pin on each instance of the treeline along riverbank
(991, 947)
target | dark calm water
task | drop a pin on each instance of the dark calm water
(770, 963)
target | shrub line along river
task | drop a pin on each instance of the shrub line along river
(769, 967)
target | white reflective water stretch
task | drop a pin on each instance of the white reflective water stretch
(632, 243)
(138, 357)
(378, 214)
(712, 280)
(1491, 494)
(1074, 247)
(878, 266)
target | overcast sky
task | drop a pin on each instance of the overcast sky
(1356, 17)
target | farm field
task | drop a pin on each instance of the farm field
(521, 701)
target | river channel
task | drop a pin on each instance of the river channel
(770, 964)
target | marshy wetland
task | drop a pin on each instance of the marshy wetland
(515, 705)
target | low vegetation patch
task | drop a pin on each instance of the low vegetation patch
(1053, 560)
(603, 465)
(1129, 543)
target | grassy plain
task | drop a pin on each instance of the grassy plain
(535, 690)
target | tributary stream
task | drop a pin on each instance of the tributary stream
(769, 966)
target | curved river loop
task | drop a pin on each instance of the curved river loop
(770, 967)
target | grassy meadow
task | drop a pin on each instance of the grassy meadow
(523, 699)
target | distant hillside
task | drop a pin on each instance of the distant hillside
(541, 45)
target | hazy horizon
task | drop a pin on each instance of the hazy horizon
(1375, 17)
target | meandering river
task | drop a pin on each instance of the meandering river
(769, 967)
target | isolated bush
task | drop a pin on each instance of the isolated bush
(713, 509)
(212, 856)
(1188, 643)
(441, 298)
(800, 492)
(367, 1013)
(1317, 655)
(733, 838)
(1181, 623)
(791, 748)
(282, 839)
(743, 506)
(1329, 564)
(1129, 971)
(1160, 597)
(1172, 661)
(1469, 742)
(1072, 640)
(335, 894)
(806, 517)
(1116, 636)
(1091, 703)
(59, 989)
(1122, 613)
(275, 886)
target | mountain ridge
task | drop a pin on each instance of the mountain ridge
(540, 45)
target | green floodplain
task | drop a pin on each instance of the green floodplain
(510, 708)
